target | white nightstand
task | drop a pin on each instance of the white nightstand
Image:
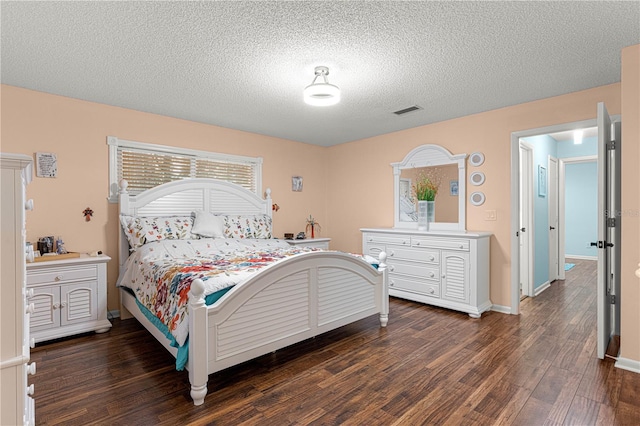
(70, 296)
(322, 243)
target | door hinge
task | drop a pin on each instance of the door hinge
(612, 299)
(611, 222)
(611, 146)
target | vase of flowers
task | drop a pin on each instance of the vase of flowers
(426, 189)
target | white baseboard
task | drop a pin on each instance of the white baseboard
(540, 289)
(579, 257)
(502, 309)
(628, 364)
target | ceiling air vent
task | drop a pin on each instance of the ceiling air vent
(407, 110)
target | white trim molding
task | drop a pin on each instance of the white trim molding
(628, 364)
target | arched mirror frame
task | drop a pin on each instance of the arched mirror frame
(425, 156)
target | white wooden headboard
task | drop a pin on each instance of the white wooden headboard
(181, 198)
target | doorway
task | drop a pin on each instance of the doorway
(608, 227)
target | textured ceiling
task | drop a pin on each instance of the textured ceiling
(243, 65)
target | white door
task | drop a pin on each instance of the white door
(526, 208)
(552, 193)
(608, 227)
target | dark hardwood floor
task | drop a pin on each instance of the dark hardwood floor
(429, 366)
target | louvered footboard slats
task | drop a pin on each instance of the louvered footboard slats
(256, 323)
(342, 294)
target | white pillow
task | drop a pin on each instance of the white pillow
(208, 225)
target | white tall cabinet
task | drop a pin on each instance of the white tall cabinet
(446, 269)
(16, 405)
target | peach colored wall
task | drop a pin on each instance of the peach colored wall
(630, 285)
(368, 199)
(77, 132)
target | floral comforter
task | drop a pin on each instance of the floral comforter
(160, 273)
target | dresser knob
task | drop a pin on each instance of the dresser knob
(391, 253)
(30, 390)
(392, 268)
(461, 246)
(59, 277)
(431, 291)
(431, 258)
(431, 275)
(417, 243)
(31, 368)
(56, 306)
(443, 277)
(392, 283)
(63, 304)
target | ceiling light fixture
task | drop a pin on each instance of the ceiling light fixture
(321, 94)
(577, 137)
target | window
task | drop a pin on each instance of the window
(146, 165)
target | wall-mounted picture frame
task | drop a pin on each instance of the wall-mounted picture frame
(296, 183)
(542, 181)
(453, 188)
(46, 165)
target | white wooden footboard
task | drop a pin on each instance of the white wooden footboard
(293, 300)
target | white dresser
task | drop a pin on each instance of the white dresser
(450, 270)
(16, 405)
(69, 295)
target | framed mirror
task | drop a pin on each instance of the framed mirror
(447, 172)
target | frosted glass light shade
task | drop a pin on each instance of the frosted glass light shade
(321, 94)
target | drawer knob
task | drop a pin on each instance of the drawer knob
(63, 304)
(56, 305)
(392, 283)
(443, 277)
(461, 246)
(417, 243)
(431, 291)
(59, 277)
(391, 253)
(31, 368)
(431, 275)
(30, 390)
(432, 258)
(404, 242)
(392, 268)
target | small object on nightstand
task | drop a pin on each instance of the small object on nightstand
(300, 236)
(95, 253)
(288, 236)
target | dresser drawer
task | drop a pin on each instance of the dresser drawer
(428, 288)
(61, 275)
(441, 243)
(416, 269)
(414, 254)
(402, 240)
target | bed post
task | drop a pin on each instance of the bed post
(384, 311)
(198, 342)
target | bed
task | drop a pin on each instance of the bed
(294, 295)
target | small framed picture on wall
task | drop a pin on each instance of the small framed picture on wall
(542, 181)
(296, 183)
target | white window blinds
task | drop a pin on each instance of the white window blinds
(145, 166)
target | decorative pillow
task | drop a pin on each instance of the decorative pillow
(254, 226)
(262, 226)
(208, 225)
(143, 230)
(238, 226)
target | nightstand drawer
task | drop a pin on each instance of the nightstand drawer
(61, 275)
